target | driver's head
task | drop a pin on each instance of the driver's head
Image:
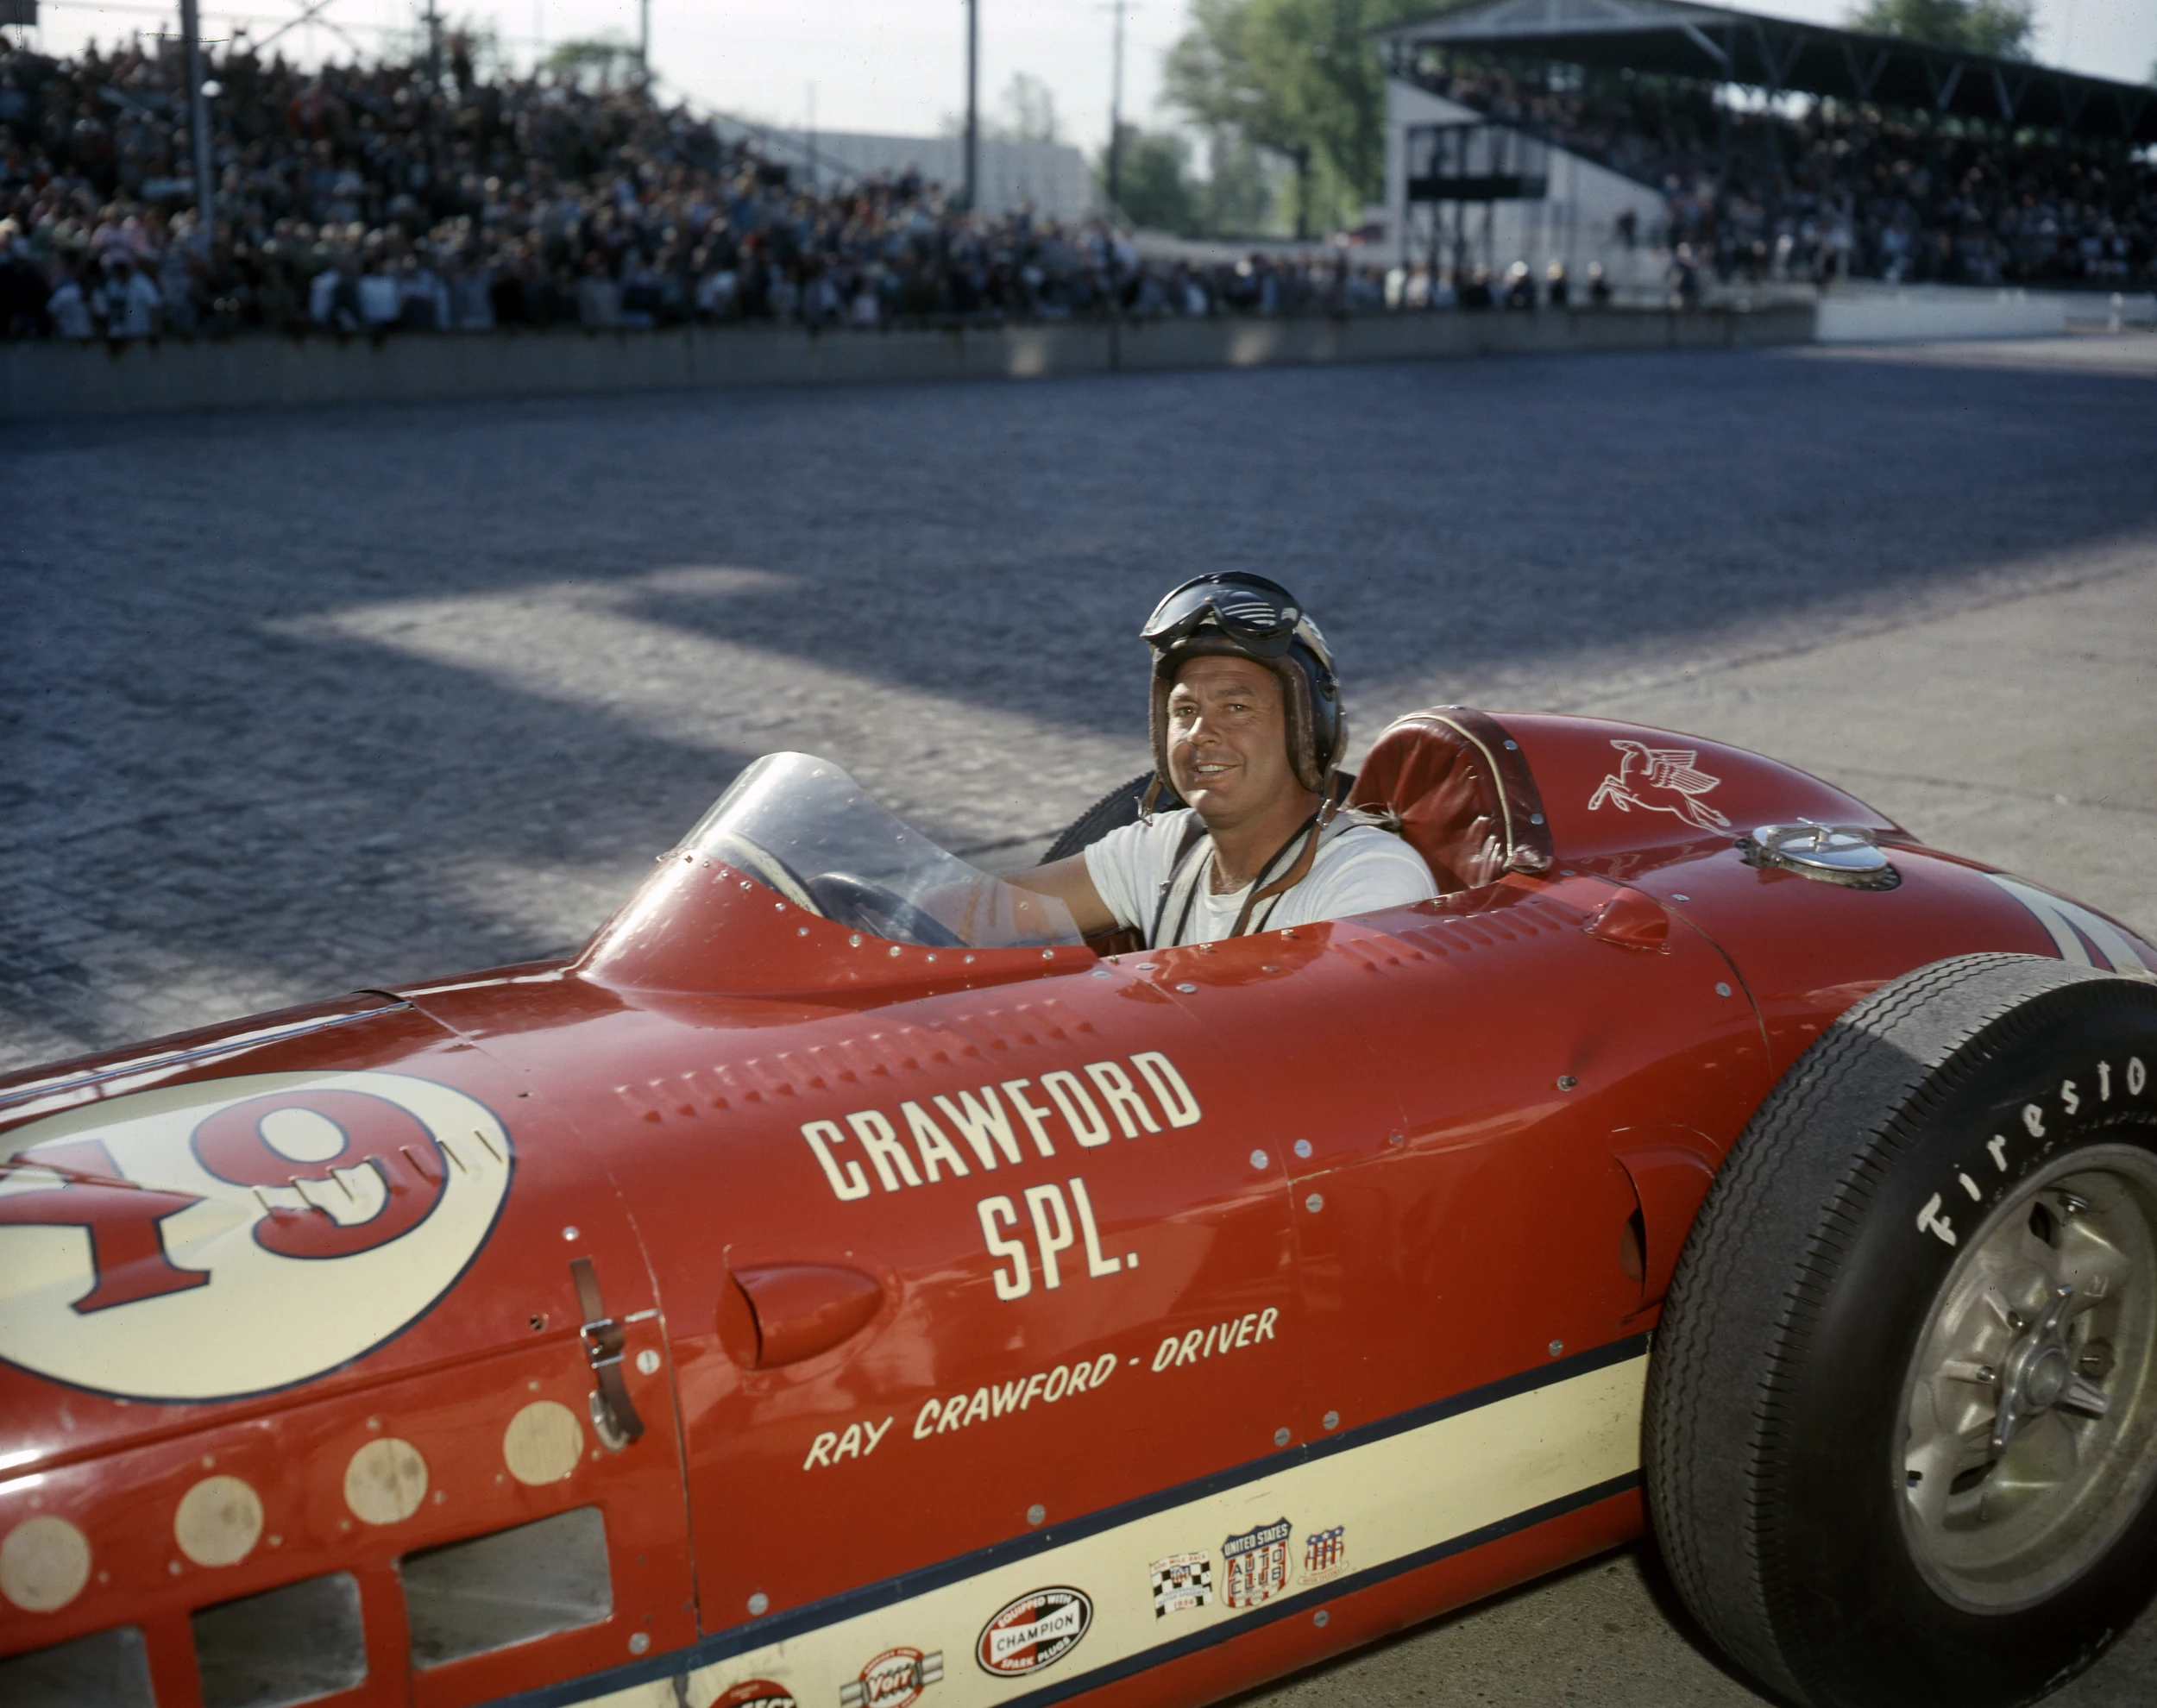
(1241, 644)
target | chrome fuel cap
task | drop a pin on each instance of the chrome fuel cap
(1844, 854)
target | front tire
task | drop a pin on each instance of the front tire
(1902, 1415)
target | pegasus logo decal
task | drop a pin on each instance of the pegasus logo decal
(1662, 780)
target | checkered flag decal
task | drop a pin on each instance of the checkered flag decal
(1182, 1581)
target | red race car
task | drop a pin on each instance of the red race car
(840, 1285)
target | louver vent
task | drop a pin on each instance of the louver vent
(108, 1667)
(468, 1596)
(290, 1644)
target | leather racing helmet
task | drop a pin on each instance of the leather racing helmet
(1246, 616)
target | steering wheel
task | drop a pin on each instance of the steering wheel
(871, 907)
(767, 868)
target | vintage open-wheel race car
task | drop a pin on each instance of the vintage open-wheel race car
(840, 1285)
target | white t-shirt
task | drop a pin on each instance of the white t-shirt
(1359, 868)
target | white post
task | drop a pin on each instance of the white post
(198, 122)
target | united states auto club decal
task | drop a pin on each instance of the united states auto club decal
(1257, 1562)
(1035, 1632)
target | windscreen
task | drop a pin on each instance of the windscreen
(802, 827)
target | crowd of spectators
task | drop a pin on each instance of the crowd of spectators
(368, 199)
(1837, 190)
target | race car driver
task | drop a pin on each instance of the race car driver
(1247, 729)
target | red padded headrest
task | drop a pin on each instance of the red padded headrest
(1464, 792)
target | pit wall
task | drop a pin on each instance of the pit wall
(44, 381)
(1863, 312)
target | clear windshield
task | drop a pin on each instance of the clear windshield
(800, 826)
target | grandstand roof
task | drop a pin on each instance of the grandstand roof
(1678, 39)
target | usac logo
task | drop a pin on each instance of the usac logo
(234, 1235)
(1033, 1632)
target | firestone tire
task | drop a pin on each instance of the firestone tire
(1872, 1448)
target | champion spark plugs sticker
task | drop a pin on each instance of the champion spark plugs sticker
(1033, 1632)
(210, 1241)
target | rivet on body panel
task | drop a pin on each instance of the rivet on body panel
(1315, 1202)
(639, 1642)
(1320, 1617)
(1188, 990)
(1566, 1081)
(1675, 896)
(1259, 1159)
(569, 1233)
(1557, 1347)
(1281, 1436)
(760, 1603)
(1331, 1419)
(1722, 990)
(1036, 1513)
(1303, 1148)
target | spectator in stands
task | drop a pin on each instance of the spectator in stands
(1598, 285)
(69, 306)
(128, 302)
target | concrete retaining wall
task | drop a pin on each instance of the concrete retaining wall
(1864, 311)
(40, 381)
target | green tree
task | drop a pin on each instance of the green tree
(1027, 115)
(1156, 190)
(594, 59)
(1998, 27)
(1299, 78)
(1236, 197)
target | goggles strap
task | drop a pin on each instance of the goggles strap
(1309, 830)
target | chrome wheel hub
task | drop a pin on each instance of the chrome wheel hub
(2031, 1405)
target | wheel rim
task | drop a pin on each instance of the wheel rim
(2032, 1400)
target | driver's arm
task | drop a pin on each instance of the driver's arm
(1068, 882)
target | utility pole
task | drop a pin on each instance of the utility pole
(644, 39)
(1115, 120)
(198, 123)
(973, 102)
(816, 183)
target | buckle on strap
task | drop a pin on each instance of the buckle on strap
(613, 1414)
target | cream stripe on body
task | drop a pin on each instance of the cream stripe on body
(1396, 1496)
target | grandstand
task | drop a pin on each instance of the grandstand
(374, 198)
(1758, 148)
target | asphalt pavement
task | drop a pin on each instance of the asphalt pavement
(295, 702)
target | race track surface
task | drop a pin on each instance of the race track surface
(295, 702)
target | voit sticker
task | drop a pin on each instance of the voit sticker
(1181, 1582)
(1033, 1632)
(895, 1679)
(209, 1240)
(1257, 1564)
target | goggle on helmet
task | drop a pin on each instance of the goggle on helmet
(1248, 616)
